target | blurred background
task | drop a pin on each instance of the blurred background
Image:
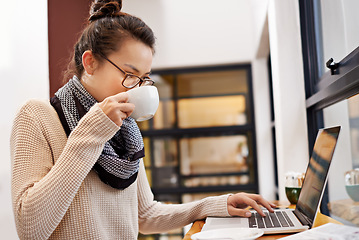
(243, 89)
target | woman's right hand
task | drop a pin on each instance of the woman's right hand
(117, 108)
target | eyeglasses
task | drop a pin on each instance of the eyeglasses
(131, 80)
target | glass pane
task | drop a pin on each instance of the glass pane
(212, 83)
(338, 114)
(343, 114)
(145, 125)
(198, 196)
(147, 159)
(172, 235)
(164, 84)
(176, 234)
(165, 115)
(165, 177)
(146, 237)
(213, 155)
(165, 152)
(353, 104)
(165, 173)
(337, 24)
(168, 198)
(212, 111)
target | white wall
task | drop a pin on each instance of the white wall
(263, 128)
(23, 75)
(260, 28)
(261, 95)
(288, 89)
(196, 33)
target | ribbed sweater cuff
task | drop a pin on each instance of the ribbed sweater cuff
(217, 206)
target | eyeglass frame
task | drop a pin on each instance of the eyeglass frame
(140, 81)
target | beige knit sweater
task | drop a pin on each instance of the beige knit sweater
(56, 195)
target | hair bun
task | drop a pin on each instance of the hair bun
(105, 8)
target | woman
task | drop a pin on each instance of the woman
(77, 171)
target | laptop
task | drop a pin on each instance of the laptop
(302, 217)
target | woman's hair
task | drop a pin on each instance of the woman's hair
(107, 29)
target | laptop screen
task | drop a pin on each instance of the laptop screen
(317, 172)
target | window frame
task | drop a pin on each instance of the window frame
(329, 88)
(247, 129)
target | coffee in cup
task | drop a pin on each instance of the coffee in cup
(146, 102)
(293, 186)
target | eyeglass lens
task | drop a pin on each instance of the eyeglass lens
(131, 81)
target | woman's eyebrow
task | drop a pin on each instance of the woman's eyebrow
(135, 69)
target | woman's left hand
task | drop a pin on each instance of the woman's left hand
(237, 203)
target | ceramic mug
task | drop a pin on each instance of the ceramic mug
(352, 184)
(146, 102)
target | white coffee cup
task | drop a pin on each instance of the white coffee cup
(146, 102)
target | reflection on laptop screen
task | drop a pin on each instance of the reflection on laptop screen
(316, 175)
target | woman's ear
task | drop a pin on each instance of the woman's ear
(89, 62)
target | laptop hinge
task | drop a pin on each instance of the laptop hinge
(303, 219)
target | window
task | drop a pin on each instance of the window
(201, 141)
(329, 31)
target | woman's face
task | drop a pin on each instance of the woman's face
(106, 80)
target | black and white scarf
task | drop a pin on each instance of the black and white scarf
(119, 161)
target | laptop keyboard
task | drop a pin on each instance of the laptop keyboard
(272, 220)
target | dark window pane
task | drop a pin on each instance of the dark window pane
(165, 173)
(165, 177)
(212, 83)
(165, 152)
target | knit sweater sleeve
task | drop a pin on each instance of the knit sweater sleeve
(156, 217)
(42, 187)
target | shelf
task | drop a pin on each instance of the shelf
(199, 175)
(207, 131)
(206, 189)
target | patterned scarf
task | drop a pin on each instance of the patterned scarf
(119, 161)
